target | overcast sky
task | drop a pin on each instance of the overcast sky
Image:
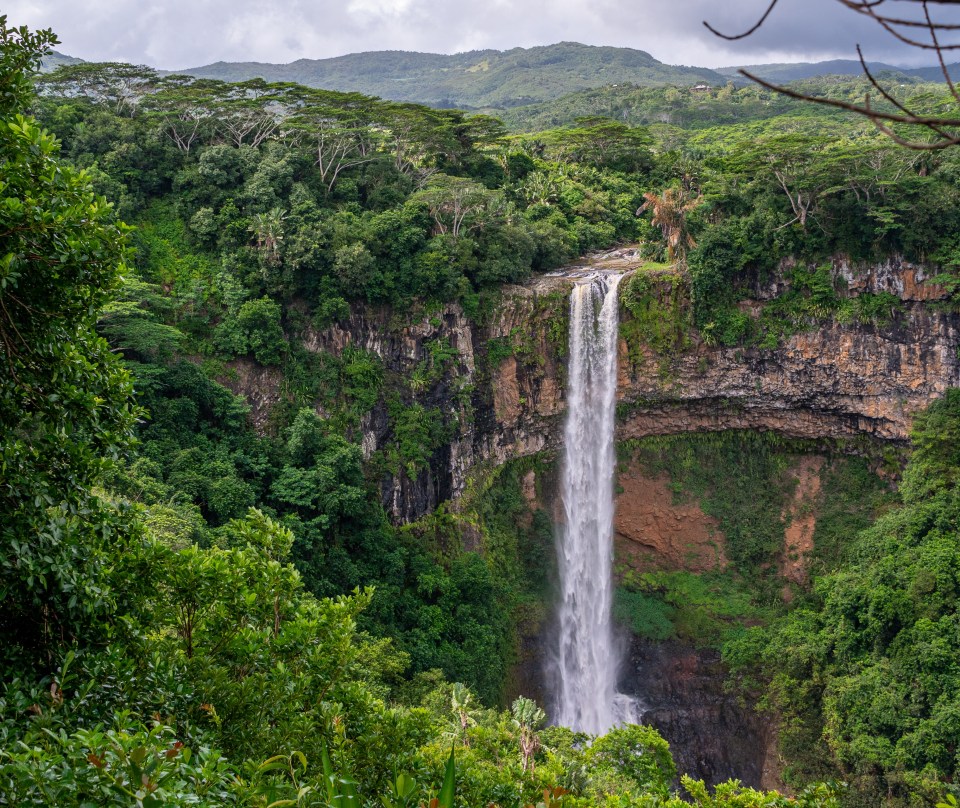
(172, 34)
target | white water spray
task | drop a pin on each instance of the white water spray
(587, 661)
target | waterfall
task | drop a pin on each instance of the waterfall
(586, 661)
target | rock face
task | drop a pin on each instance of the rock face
(401, 347)
(259, 384)
(801, 522)
(653, 531)
(503, 395)
(496, 408)
(711, 736)
(833, 381)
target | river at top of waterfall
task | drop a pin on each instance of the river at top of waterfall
(586, 661)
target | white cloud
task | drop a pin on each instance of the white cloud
(186, 33)
(378, 8)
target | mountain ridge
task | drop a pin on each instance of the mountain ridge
(502, 79)
(796, 71)
(473, 79)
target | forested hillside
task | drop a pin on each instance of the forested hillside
(796, 71)
(689, 108)
(208, 598)
(471, 80)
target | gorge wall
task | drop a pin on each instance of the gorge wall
(503, 395)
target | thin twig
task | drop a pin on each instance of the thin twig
(871, 113)
(890, 24)
(943, 64)
(918, 120)
(745, 34)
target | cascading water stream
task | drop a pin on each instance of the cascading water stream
(586, 663)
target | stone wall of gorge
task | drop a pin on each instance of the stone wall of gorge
(502, 397)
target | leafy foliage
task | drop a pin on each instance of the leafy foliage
(868, 665)
(230, 617)
(66, 412)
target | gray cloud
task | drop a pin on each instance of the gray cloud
(186, 33)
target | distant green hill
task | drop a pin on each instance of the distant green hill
(544, 86)
(644, 106)
(836, 67)
(692, 108)
(57, 59)
(488, 78)
(934, 73)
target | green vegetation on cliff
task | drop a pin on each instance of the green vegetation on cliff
(864, 670)
(746, 482)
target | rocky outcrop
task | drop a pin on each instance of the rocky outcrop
(832, 381)
(835, 380)
(402, 345)
(800, 521)
(511, 366)
(259, 384)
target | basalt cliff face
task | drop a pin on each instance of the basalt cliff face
(713, 737)
(503, 395)
(833, 380)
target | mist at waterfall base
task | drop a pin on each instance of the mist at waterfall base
(583, 670)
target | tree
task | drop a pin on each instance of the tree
(65, 402)
(338, 144)
(670, 211)
(639, 753)
(250, 112)
(267, 229)
(181, 105)
(528, 717)
(121, 87)
(259, 320)
(456, 204)
(939, 130)
(808, 168)
(461, 704)
(603, 143)
(417, 135)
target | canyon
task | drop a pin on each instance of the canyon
(846, 384)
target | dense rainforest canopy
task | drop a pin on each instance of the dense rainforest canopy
(195, 611)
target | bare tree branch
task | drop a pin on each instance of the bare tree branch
(946, 130)
(746, 33)
(936, 42)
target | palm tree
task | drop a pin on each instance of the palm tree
(267, 229)
(527, 717)
(670, 215)
(461, 703)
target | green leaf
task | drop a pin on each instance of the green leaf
(448, 789)
(274, 764)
